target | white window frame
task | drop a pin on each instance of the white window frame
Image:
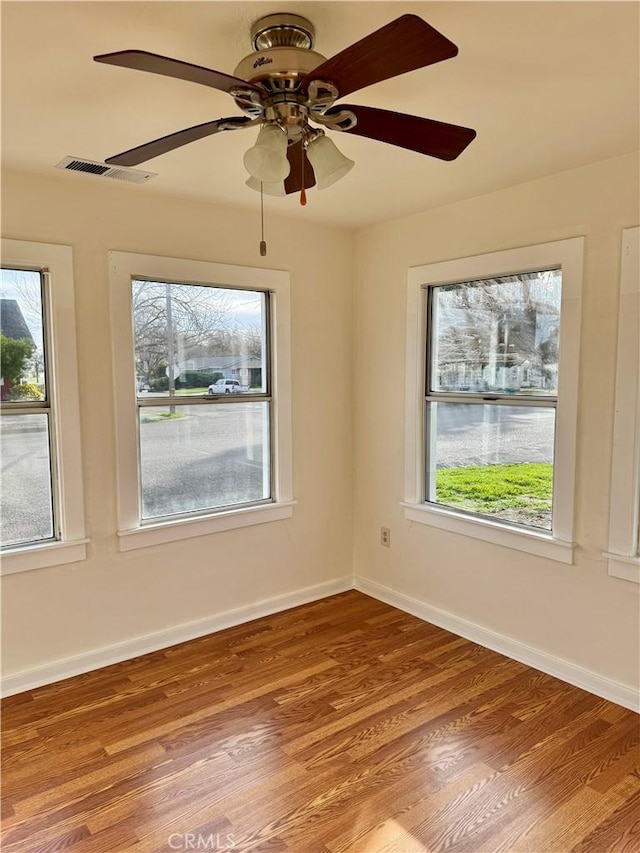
(55, 262)
(623, 555)
(566, 255)
(123, 268)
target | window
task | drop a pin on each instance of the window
(491, 393)
(41, 512)
(196, 456)
(624, 522)
(207, 380)
(491, 389)
(27, 512)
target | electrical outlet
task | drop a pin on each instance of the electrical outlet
(385, 537)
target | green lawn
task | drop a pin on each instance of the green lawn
(514, 492)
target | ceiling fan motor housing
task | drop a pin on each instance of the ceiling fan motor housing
(278, 69)
(283, 54)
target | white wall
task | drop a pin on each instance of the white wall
(577, 613)
(60, 612)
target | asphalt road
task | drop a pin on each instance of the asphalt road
(492, 435)
(25, 508)
(214, 456)
(211, 457)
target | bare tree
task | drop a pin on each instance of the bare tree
(501, 323)
(27, 289)
(187, 322)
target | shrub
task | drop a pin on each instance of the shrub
(197, 378)
(187, 379)
(14, 355)
(27, 391)
(160, 384)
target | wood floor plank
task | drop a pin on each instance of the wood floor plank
(168, 789)
(619, 831)
(410, 807)
(343, 726)
(118, 740)
(567, 824)
(136, 760)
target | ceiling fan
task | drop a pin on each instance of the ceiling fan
(285, 88)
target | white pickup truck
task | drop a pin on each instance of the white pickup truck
(227, 386)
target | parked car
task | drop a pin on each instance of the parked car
(226, 386)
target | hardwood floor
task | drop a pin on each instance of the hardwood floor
(343, 725)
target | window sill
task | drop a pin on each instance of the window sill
(532, 542)
(42, 556)
(624, 567)
(172, 531)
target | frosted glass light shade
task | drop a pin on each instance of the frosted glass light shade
(329, 165)
(267, 160)
(276, 188)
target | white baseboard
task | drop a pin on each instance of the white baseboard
(57, 670)
(76, 665)
(614, 691)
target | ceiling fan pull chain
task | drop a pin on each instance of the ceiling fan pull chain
(303, 194)
(263, 245)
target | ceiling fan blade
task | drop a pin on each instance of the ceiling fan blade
(424, 135)
(296, 156)
(174, 140)
(402, 45)
(141, 60)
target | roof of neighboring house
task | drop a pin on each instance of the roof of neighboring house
(12, 322)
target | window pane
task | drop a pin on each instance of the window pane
(196, 458)
(214, 338)
(26, 509)
(497, 335)
(494, 460)
(21, 344)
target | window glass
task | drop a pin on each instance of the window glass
(195, 458)
(26, 509)
(497, 335)
(206, 350)
(194, 339)
(489, 342)
(494, 460)
(22, 341)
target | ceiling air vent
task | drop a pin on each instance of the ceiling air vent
(102, 170)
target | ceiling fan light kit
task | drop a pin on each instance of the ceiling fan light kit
(287, 89)
(267, 160)
(275, 189)
(328, 163)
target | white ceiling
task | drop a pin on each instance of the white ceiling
(548, 86)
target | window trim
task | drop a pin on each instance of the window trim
(56, 263)
(566, 255)
(123, 267)
(623, 556)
